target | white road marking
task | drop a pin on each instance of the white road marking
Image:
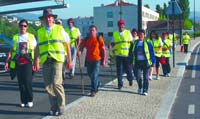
(192, 88)
(195, 63)
(191, 109)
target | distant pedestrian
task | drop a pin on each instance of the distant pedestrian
(143, 59)
(121, 43)
(21, 58)
(75, 39)
(52, 41)
(95, 55)
(155, 40)
(186, 41)
(157, 45)
(167, 45)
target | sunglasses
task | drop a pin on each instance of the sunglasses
(22, 25)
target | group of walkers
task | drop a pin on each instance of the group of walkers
(56, 49)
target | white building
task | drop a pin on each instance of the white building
(106, 16)
(83, 23)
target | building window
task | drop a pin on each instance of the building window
(110, 34)
(110, 24)
(109, 14)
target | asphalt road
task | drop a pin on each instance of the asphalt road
(187, 104)
(10, 98)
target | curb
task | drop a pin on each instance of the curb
(170, 96)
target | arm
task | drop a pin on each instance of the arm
(103, 51)
(36, 64)
(68, 50)
(7, 60)
(152, 54)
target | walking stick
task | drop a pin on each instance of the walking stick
(81, 72)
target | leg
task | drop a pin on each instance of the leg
(128, 68)
(145, 69)
(119, 64)
(138, 75)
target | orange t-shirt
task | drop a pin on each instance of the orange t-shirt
(93, 45)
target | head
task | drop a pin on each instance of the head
(58, 21)
(93, 31)
(153, 35)
(23, 25)
(48, 17)
(164, 35)
(134, 32)
(141, 34)
(70, 22)
(121, 25)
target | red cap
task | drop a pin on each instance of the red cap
(165, 33)
(121, 21)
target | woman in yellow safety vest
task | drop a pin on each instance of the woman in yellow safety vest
(186, 41)
(21, 59)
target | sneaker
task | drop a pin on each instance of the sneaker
(168, 75)
(139, 91)
(130, 83)
(22, 105)
(157, 77)
(145, 93)
(61, 111)
(29, 104)
(150, 77)
(51, 112)
(56, 113)
(92, 94)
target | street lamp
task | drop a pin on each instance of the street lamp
(120, 8)
(139, 14)
(194, 21)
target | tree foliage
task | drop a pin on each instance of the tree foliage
(146, 5)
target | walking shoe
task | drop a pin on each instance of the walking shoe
(29, 104)
(92, 94)
(145, 93)
(157, 77)
(168, 75)
(139, 91)
(130, 83)
(22, 105)
(53, 113)
(150, 77)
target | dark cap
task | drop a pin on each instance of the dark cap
(47, 12)
(165, 33)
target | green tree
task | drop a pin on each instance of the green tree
(188, 24)
(185, 7)
(146, 5)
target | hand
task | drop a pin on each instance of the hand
(79, 53)
(36, 67)
(6, 66)
(69, 65)
(103, 63)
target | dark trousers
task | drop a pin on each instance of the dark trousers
(93, 73)
(122, 64)
(166, 67)
(185, 48)
(139, 67)
(24, 77)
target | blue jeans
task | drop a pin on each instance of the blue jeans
(139, 67)
(93, 73)
(123, 65)
(73, 54)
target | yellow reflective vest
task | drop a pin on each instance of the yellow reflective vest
(146, 51)
(166, 44)
(156, 46)
(73, 35)
(15, 47)
(51, 45)
(122, 43)
(186, 39)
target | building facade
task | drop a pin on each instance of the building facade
(106, 17)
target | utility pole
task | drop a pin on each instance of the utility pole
(139, 14)
(120, 8)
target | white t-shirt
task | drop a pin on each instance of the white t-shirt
(23, 38)
(64, 34)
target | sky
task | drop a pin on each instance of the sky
(84, 8)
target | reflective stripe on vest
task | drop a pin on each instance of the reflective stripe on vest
(73, 35)
(146, 51)
(15, 48)
(167, 44)
(121, 43)
(51, 44)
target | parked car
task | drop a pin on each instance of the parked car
(4, 49)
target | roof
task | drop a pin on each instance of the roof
(11, 2)
(121, 3)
